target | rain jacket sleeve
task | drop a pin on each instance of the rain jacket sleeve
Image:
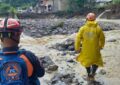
(101, 39)
(78, 39)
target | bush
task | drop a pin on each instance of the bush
(116, 1)
(100, 8)
(6, 9)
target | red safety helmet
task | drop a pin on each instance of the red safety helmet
(91, 16)
(10, 28)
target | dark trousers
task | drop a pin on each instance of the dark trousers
(91, 70)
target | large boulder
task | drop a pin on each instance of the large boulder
(48, 64)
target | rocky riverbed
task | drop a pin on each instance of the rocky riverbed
(45, 27)
(52, 41)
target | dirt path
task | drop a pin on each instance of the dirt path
(110, 20)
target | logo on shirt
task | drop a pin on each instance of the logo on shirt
(12, 71)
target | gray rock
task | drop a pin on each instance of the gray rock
(102, 72)
(111, 39)
(67, 79)
(67, 45)
(71, 61)
(48, 64)
(52, 68)
(71, 48)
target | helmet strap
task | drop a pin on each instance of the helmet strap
(14, 37)
(5, 24)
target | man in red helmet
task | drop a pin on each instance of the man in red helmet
(92, 39)
(18, 67)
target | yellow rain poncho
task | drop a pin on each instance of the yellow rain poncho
(92, 39)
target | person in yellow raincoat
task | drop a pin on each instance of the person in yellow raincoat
(92, 39)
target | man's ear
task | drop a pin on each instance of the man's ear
(1, 43)
(1, 39)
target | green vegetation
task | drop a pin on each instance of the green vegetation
(75, 5)
(6, 8)
(20, 3)
(116, 1)
(10, 6)
(80, 5)
(87, 5)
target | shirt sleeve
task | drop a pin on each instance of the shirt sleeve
(38, 69)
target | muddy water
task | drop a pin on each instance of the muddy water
(111, 57)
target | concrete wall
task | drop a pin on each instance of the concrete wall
(64, 4)
(57, 5)
(52, 6)
(60, 5)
